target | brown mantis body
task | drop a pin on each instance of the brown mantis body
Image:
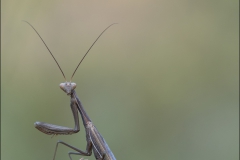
(95, 142)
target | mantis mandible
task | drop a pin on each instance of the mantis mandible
(95, 141)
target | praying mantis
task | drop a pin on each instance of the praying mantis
(95, 141)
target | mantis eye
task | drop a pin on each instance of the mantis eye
(74, 85)
(62, 86)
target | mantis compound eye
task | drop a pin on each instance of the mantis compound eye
(74, 85)
(62, 86)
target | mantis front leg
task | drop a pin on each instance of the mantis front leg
(52, 129)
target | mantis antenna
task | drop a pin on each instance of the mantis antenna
(90, 49)
(47, 48)
(81, 59)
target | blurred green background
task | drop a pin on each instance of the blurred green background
(162, 84)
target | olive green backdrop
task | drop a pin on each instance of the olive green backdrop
(162, 84)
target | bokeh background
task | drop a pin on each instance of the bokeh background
(162, 84)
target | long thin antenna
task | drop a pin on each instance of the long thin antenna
(90, 49)
(46, 47)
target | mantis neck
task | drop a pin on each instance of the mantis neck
(85, 117)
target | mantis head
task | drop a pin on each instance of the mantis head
(68, 87)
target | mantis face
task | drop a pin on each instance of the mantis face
(68, 87)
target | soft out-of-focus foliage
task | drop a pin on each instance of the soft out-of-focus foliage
(162, 84)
